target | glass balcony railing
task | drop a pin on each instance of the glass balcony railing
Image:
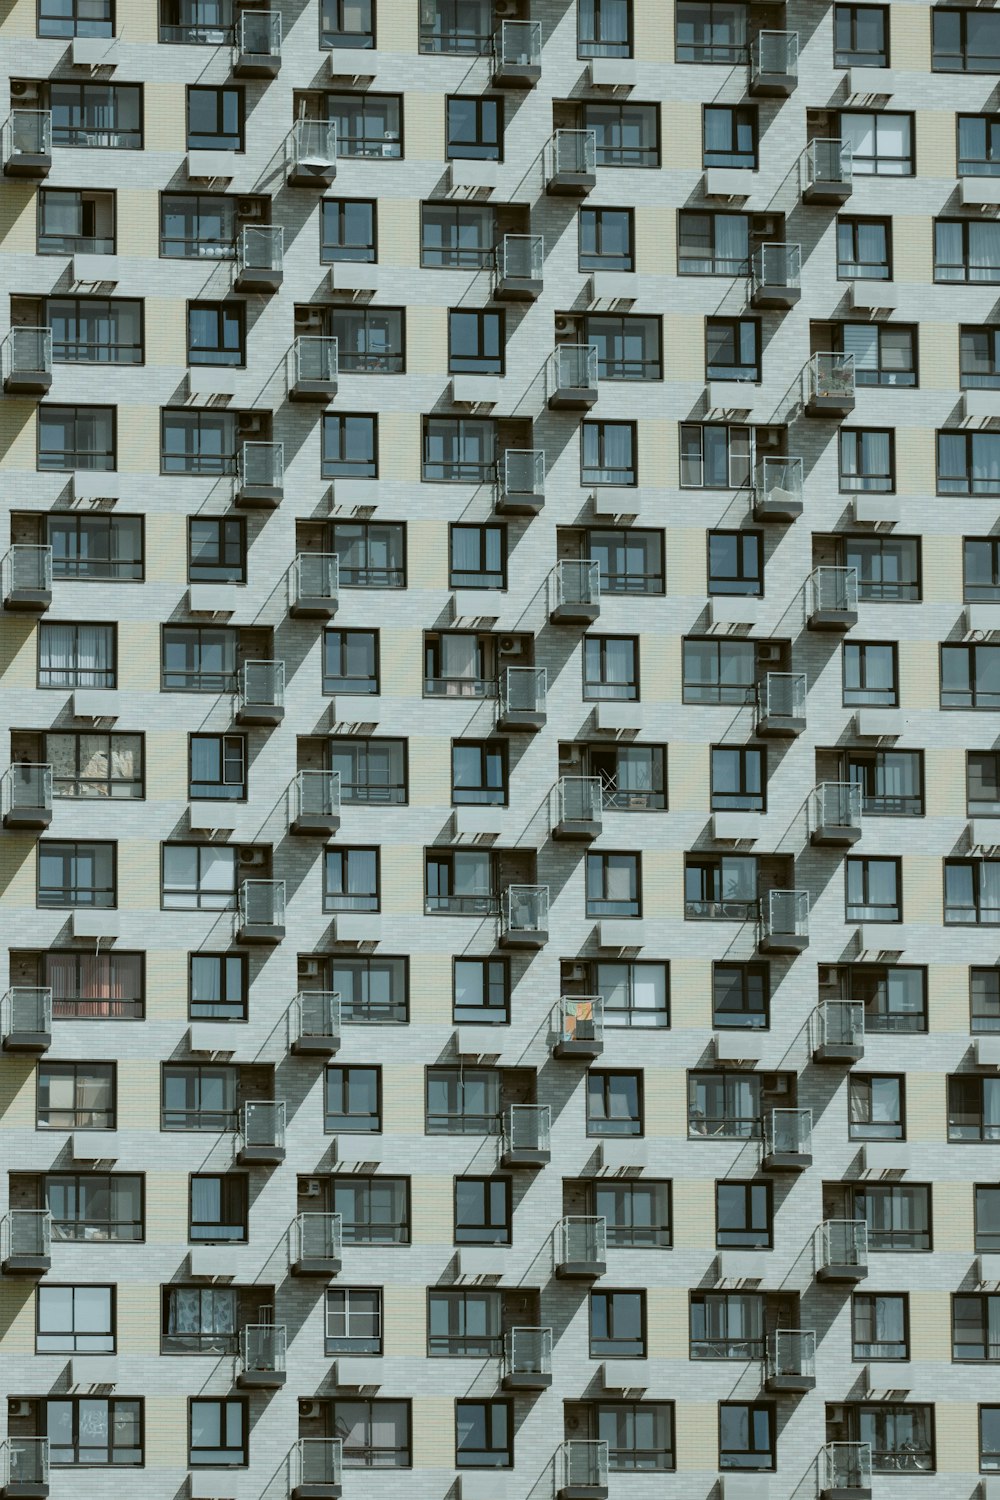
(836, 804)
(27, 1012)
(788, 1132)
(528, 1351)
(521, 475)
(581, 1241)
(774, 55)
(846, 1467)
(263, 1348)
(828, 164)
(830, 378)
(318, 1462)
(777, 266)
(316, 1016)
(27, 356)
(843, 1243)
(260, 248)
(518, 46)
(524, 911)
(24, 1467)
(522, 690)
(584, 1464)
(317, 1237)
(261, 466)
(27, 574)
(573, 153)
(576, 584)
(581, 1021)
(573, 367)
(26, 1234)
(841, 1023)
(785, 914)
(315, 795)
(315, 360)
(262, 903)
(262, 1125)
(26, 795)
(833, 591)
(27, 137)
(527, 1130)
(791, 1354)
(258, 34)
(316, 576)
(261, 686)
(520, 257)
(777, 486)
(579, 801)
(781, 696)
(312, 144)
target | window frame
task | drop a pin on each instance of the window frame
(224, 1403)
(600, 1348)
(106, 1073)
(76, 1339)
(222, 135)
(329, 247)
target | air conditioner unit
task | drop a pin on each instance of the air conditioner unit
(18, 1408)
(311, 1187)
(511, 646)
(765, 226)
(250, 421)
(309, 968)
(311, 318)
(250, 208)
(252, 856)
(575, 973)
(774, 1083)
(767, 437)
(570, 755)
(563, 325)
(768, 652)
(573, 1424)
(310, 1409)
(505, 8)
(836, 1414)
(23, 89)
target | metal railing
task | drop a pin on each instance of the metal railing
(317, 1461)
(317, 1236)
(573, 367)
(585, 1463)
(519, 44)
(777, 266)
(262, 902)
(840, 1023)
(316, 794)
(520, 257)
(263, 1346)
(846, 1466)
(315, 358)
(792, 1351)
(261, 464)
(317, 1014)
(528, 1351)
(260, 247)
(316, 575)
(581, 1018)
(834, 588)
(262, 1123)
(522, 690)
(843, 1242)
(525, 908)
(312, 144)
(785, 914)
(27, 567)
(258, 33)
(27, 1010)
(527, 1127)
(788, 1132)
(782, 695)
(778, 479)
(774, 52)
(573, 151)
(829, 161)
(521, 471)
(261, 684)
(27, 1232)
(28, 132)
(27, 351)
(27, 787)
(576, 582)
(836, 804)
(25, 1462)
(831, 376)
(579, 799)
(581, 1239)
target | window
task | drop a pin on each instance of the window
(106, 548)
(725, 1105)
(638, 1214)
(973, 1108)
(217, 767)
(979, 358)
(882, 355)
(96, 1207)
(463, 1101)
(972, 891)
(631, 561)
(347, 23)
(881, 142)
(741, 995)
(880, 1323)
(628, 135)
(353, 1321)
(76, 1096)
(739, 779)
(989, 1439)
(861, 36)
(711, 31)
(199, 659)
(95, 330)
(353, 1101)
(633, 777)
(874, 890)
(198, 1098)
(987, 1208)
(611, 667)
(216, 333)
(74, 1319)
(719, 671)
(370, 340)
(713, 244)
(870, 674)
(628, 348)
(479, 773)
(983, 783)
(215, 119)
(607, 238)
(197, 442)
(196, 22)
(77, 874)
(347, 230)
(864, 249)
(463, 1324)
(217, 1212)
(743, 1215)
(460, 883)
(979, 145)
(966, 251)
(197, 226)
(727, 1325)
(729, 136)
(199, 1320)
(376, 1434)
(104, 116)
(715, 456)
(604, 28)
(373, 991)
(217, 550)
(968, 463)
(350, 446)
(218, 1432)
(888, 568)
(970, 677)
(459, 449)
(456, 236)
(76, 221)
(474, 128)
(897, 1218)
(350, 662)
(876, 1107)
(614, 1104)
(736, 563)
(371, 554)
(351, 880)
(975, 1324)
(370, 770)
(476, 341)
(867, 460)
(94, 1432)
(639, 1434)
(199, 877)
(458, 26)
(634, 994)
(76, 656)
(95, 765)
(607, 453)
(481, 991)
(984, 985)
(217, 986)
(67, 18)
(747, 1435)
(891, 781)
(368, 125)
(77, 437)
(614, 885)
(477, 557)
(964, 41)
(618, 1325)
(106, 986)
(482, 1211)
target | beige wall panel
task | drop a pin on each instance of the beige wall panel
(139, 657)
(954, 1216)
(18, 653)
(667, 1322)
(166, 1430)
(399, 231)
(684, 342)
(956, 1431)
(138, 223)
(165, 116)
(919, 679)
(427, 341)
(136, 21)
(166, 332)
(656, 241)
(401, 664)
(403, 878)
(694, 1212)
(930, 1326)
(653, 25)
(697, 1425)
(423, 127)
(941, 560)
(935, 136)
(168, 1206)
(690, 991)
(436, 1197)
(18, 216)
(17, 1081)
(399, 445)
(17, 1316)
(687, 562)
(139, 439)
(18, 870)
(405, 1320)
(911, 38)
(680, 124)
(938, 357)
(18, 433)
(926, 1116)
(944, 782)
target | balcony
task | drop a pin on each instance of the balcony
(315, 585)
(521, 699)
(781, 705)
(575, 592)
(784, 922)
(526, 1140)
(517, 55)
(27, 578)
(314, 369)
(835, 813)
(27, 143)
(776, 276)
(521, 482)
(316, 1245)
(25, 1468)
(571, 161)
(262, 1357)
(579, 807)
(316, 1469)
(833, 598)
(260, 476)
(257, 53)
(582, 1471)
(791, 1361)
(27, 361)
(829, 380)
(527, 1359)
(774, 64)
(571, 377)
(839, 1031)
(581, 1248)
(27, 1020)
(579, 1027)
(827, 172)
(261, 1133)
(27, 1242)
(787, 1145)
(27, 796)
(261, 693)
(260, 254)
(524, 916)
(842, 1250)
(845, 1471)
(261, 914)
(315, 803)
(777, 489)
(316, 1023)
(517, 275)
(311, 154)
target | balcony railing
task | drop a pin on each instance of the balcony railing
(317, 1237)
(846, 1466)
(260, 247)
(524, 910)
(581, 1241)
(581, 1022)
(830, 377)
(841, 1023)
(27, 1012)
(316, 1016)
(785, 914)
(27, 575)
(258, 33)
(527, 1128)
(317, 1462)
(791, 1353)
(782, 696)
(24, 1468)
(26, 1234)
(27, 355)
(573, 153)
(518, 45)
(316, 794)
(576, 584)
(27, 133)
(828, 163)
(573, 367)
(520, 257)
(584, 1463)
(263, 1348)
(26, 795)
(261, 466)
(261, 686)
(315, 358)
(788, 1132)
(843, 1243)
(833, 591)
(311, 148)
(262, 1124)
(522, 690)
(836, 804)
(774, 55)
(262, 903)
(777, 486)
(579, 799)
(316, 576)
(528, 1351)
(521, 475)
(777, 266)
